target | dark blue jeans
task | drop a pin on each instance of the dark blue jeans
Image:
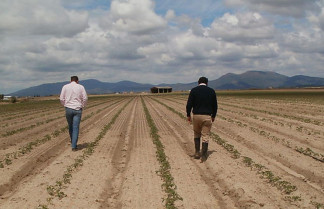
(73, 118)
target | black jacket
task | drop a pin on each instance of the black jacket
(203, 101)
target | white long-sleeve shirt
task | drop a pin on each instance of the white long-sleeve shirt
(74, 96)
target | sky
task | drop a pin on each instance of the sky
(156, 41)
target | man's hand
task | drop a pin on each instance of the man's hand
(189, 119)
(213, 119)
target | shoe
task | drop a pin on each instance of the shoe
(74, 149)
(197, 148)
(204, 152)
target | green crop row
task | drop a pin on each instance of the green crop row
(19, 130)
(311, 153)
(276, 181)
(164, 171)
(45, 111)
(277, 123)
(31, 145)
(306, 151)
(305, 120)
(281, 95)
(56, 190)
(28, 106)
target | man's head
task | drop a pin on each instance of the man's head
(203, 80)
(75, 79)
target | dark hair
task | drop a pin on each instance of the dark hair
(203, 80)
(74, 78)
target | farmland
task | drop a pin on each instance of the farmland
(136, 151)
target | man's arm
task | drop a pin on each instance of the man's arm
(84, 97)
(62, 96)
(189, 106)
(215, 107)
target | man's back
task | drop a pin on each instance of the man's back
(73, 96)
(203, 103)
(202, 100)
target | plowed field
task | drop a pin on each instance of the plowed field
(267, 151)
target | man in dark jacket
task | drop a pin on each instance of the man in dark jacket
(203, 103)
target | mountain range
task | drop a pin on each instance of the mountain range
(247, 80)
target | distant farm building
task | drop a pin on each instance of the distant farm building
(7, 97)
(161, 89)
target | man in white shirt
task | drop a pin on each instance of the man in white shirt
(73, 97)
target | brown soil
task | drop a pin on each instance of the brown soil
(121, 172)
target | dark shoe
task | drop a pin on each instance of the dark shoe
(204, 152)
(74, 149)
(197, 148)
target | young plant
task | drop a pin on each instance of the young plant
(164, 171)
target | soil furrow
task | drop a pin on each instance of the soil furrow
(15, 151)
(185, 169)
(306, 190)
(142, 186)
(264, 152)
(55, 168)
(41, 157)
(306, 170)
(25, 136)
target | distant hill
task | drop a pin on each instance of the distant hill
(257, 80)
(303, 81)
(247, 80)
(92, 86)
(250, 79)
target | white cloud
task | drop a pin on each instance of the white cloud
(294, 8)
(242, 27)
(38, 17)
(304, 42)
(133, 16)
(46, 41)
(317, 19)
(170, 15)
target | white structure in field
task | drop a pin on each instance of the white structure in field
(6, 97)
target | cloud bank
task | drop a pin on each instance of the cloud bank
(148, 41)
